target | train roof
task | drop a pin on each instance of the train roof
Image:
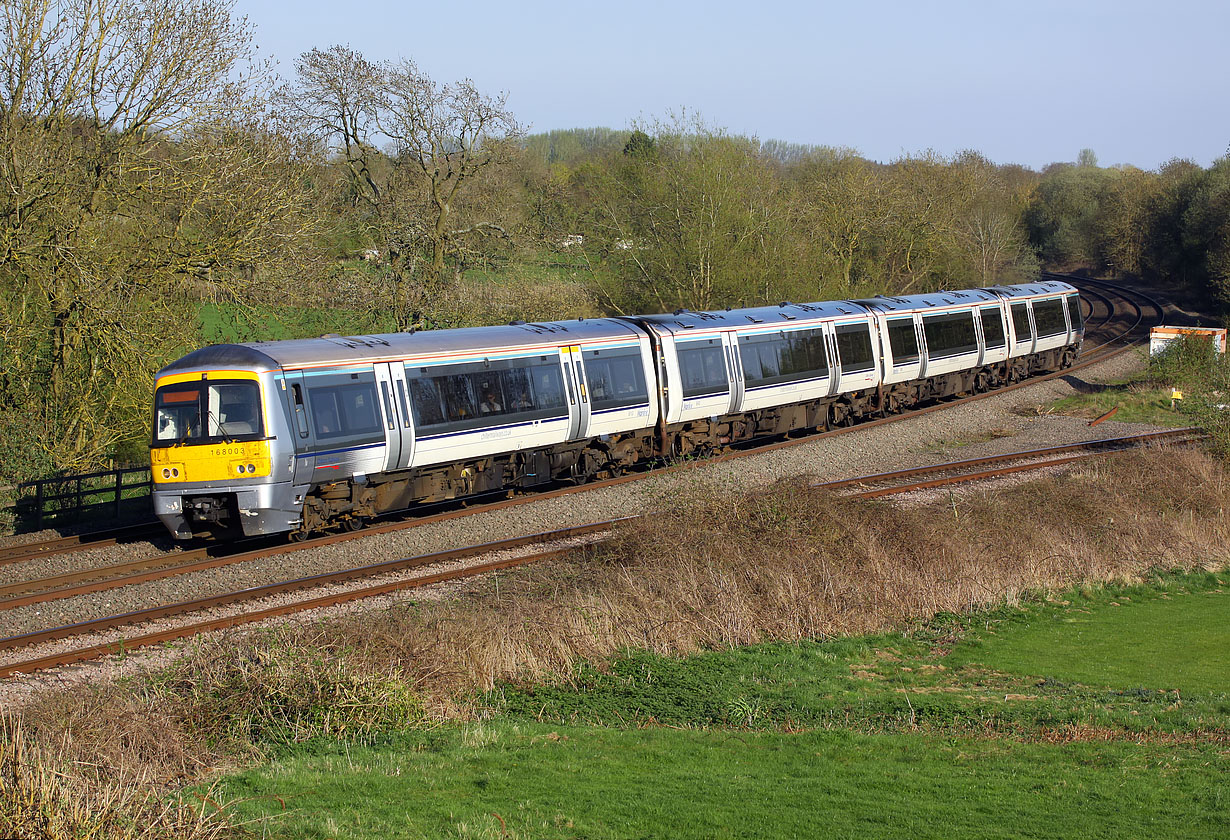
(930, 300)
(783, 313)
(1041, 287)
(888, 303)
(271, 355)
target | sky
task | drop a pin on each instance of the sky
(1021, 82)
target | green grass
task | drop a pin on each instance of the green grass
(1189, 366)
(222, 324)
(1179, 641)
(1054, 718)
(1137, 403)
(574, 782)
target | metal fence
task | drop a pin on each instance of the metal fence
(119, 494)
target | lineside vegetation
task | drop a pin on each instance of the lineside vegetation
(717, 570)
(1188, 366)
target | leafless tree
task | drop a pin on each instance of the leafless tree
(437, 140)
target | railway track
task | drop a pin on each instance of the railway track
(233, 603)
(1116, 326)
(1096, 322)
(981, 469)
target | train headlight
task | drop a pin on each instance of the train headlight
(166, 472)
(241, 469)
(251, 468)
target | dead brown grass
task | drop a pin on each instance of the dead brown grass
(46, 793)
(713, 570)
(718, 570)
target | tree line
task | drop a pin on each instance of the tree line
(158, 179)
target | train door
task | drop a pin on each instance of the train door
(402, 398)
(578, 392)
(301, 428)
(730, 344)
(396, 420)
(924, 352)
(830, 345)
(398, 426)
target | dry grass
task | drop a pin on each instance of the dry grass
(46, 793)
(713, 570)
(717, 570)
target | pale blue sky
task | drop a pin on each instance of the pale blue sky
(1025, 82)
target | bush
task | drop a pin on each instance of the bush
(1191, 365)
(268, 691)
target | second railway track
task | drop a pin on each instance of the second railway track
(1118, 330)
(1119, 324)
(956, 472)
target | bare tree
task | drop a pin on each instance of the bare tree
(439, 138)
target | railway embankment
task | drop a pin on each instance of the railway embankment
(716, 568)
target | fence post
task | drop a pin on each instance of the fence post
(119, 490)
(38, 505)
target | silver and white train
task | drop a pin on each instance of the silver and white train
(301, 436)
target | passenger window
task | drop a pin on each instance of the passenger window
(854, 348)
(548, 386)
(1074, 312)
(992, 327)
(616, 378)
(789, 357)
(344, 410)
(1020, 323)
(468, 396)
(459, 402)
(768, 354)
(1048, 317)
(902, 340)
(950, 334)
(703, 368)
(428, 404)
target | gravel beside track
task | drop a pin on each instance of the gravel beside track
(1005, 423)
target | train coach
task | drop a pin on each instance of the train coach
(305, 435)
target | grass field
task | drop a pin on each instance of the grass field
(1137, 403)
(1054, 719)
(1154, 643)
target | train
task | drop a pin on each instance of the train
(309, 435)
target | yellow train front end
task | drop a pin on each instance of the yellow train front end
(211, 456)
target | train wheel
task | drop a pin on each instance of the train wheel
(354, 523)
(611, 470)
